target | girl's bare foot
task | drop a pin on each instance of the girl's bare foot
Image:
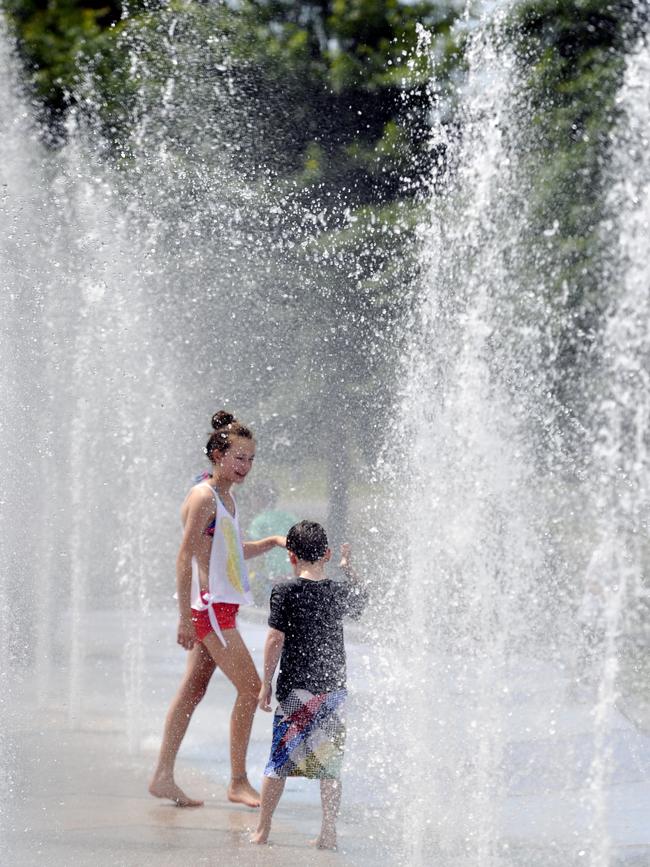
(261, 836)
(325, 840)
(164, 787)
(240, 791)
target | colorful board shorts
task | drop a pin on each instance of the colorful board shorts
(308, 736)
(225, 612)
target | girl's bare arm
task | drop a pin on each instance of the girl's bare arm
(261, 546)
(200, 511)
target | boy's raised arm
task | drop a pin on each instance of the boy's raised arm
(345, 565)
(272, 652)
(357, 595)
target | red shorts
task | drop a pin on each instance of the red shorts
(225, 612)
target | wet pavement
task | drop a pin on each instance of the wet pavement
(80, 788)
(82, 743)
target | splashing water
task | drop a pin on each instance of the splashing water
(504, 761)
(617, 576)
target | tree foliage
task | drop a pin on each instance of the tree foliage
(574, 52)
(326, 80)
(52, 36)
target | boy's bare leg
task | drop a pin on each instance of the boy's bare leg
(271, 793)
(330, 796)
(236, 663)
(200, 667)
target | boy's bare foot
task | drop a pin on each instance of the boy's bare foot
(240, 791)
(167, 788)
(261, 836)
(325, 840)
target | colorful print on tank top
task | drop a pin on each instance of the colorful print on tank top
(234, 559)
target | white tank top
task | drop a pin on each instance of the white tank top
(228, 579)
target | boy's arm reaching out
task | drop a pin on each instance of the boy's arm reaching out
(357, 595)
(345, 565)
(272, 653)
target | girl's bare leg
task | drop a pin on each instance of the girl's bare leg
(236, 663)
(330, 796)
(200, 667)
(271, 793)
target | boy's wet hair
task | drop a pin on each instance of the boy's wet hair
(307, 540)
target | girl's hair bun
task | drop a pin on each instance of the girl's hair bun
(221, 419)
(225, 427)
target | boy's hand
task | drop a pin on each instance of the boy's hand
(281, 541)
(346, 555)
(264, 698)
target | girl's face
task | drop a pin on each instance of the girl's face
(237, 462)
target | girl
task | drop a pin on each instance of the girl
(212, 583)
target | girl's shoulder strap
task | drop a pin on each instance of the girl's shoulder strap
(207, 485)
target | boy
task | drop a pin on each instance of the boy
(306, 637)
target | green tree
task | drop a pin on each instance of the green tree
(574, 52)
(52, 36)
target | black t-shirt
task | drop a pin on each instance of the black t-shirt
(310, 614)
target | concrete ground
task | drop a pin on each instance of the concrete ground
(79, 788)
(81, 742)
(84, 802)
